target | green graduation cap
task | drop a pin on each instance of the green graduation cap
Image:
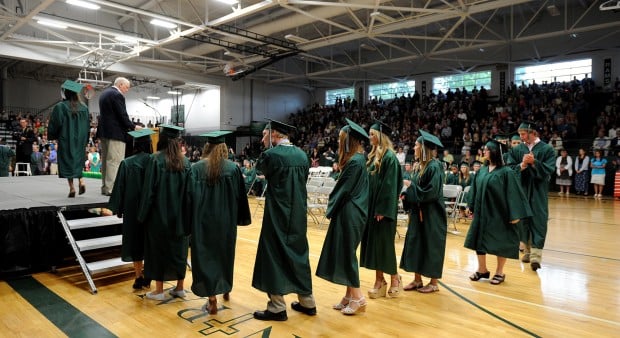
(494, 144)
(382, 127)
(72, 86)
(171, 130)
(355, 130)
(464, 164)
(429, 139)
(216, 137)
(139, 134)
(515, 137)
(527, 126)
(280, 127)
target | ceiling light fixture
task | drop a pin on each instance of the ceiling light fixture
(125, 38)
(233, 54)
(53, 24)
(553, 10)
(295, 38)
(83, 4)
(153, 97)
(229, 2)
(382, 17)
(162, 23)
(368, 47)
(174, 92)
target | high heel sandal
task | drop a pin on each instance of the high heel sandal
(355, 306)
(71, 194)
(82, 189)
(396, 291)
(343, 303)
(413, 286)
(210, 306)
(380, 292)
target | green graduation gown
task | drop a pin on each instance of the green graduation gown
(282, 265)
(496, 198)
(347, 210)
(161, 211)
(452, 179)
(215, 211)
(377, 249)
(72, 131)
(125, 201)
(6, 154)
(535, 184)
(425, 242)
(250, 176)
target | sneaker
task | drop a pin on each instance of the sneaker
(155, 296)
(179, 293)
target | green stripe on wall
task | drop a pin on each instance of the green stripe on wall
(64, 315)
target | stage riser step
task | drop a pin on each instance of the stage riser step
(93, 222)
(98, 243)
(105, 265)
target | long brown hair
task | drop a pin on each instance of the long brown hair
(214, 156)
(354, 147)
(424, 160)
(171, 148)
(378, 151)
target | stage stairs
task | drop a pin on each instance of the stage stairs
(83, 245)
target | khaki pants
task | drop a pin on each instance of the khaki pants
(53, 168)
(277, 304)
(112, 153)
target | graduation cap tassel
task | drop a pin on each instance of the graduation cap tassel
(270, 142)
(346, 144)
(501, 154)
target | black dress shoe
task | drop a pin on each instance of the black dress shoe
(310, 311)
(267, 315)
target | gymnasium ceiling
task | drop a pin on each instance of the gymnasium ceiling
(303, 43)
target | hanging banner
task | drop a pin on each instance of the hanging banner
(606, 72)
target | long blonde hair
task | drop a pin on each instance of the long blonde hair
(378, 151)
(171, 148)
(354, 147)
(424, 160)
(214, 154)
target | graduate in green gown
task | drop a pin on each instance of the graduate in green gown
(535, 161)
(498, 203)
(282, 265)
(425, 242)
(125, 200)
(217, 203)
(385, 184)
(6, 156)
(453, 174)
(249, 175)
(161, 210)
(70, 125)
(347, 210)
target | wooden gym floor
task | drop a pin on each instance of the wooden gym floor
(575, 294)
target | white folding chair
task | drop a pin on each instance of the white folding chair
(315, 202)
(451, 193)
(462, 202)
(22, 168)
(260, 200)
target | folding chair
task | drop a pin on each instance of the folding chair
(401, 217)
(462, 202)
(260, 200)
(451, 193)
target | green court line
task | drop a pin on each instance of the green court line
(65, 316)
(489, 312)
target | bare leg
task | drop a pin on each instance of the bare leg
(482, 263)
(159, 287)
(501, 261)
(179, 285)
(379, 280)
(137, 268)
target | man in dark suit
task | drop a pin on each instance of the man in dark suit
(25, 137)
(113, 126)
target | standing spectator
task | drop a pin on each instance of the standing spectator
(125, 201)
(401, 156)
(582, 170)
(112, 127)
(564, 170)
(425, 242)
(348, 211)
(556, 142)
(498, 203)
(6, 156)
(386, 182)
(535, 160)
(284, 227)
(314, 157)
(69, 125)
(37, 161)
(161, 208)
(25, 138)
(217, 203)
(53, 158)
(94, 159)
(597, 164)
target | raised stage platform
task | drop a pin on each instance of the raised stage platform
(31, 236)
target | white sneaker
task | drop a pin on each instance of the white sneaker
(175, 293)
(155, 296)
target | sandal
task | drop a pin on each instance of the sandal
(82, 189)
(355, 306)
(343, 303)
(498, 279)
(429, 288)
(396, 291)
(413, 286)
(478, 275)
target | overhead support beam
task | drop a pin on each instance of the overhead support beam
(264, 64)
(254, 36)
(26, 19)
